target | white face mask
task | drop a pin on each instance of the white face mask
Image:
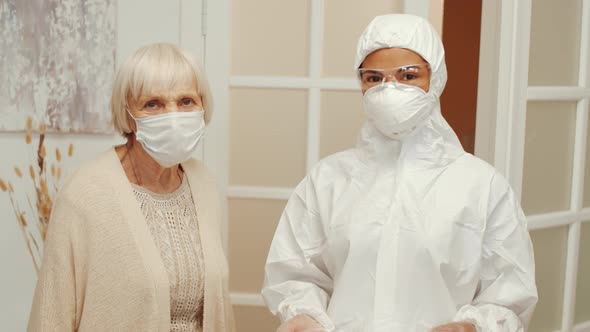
(171, 138)
(397, 113)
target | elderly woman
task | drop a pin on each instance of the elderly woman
(134, 240)
(405, 232)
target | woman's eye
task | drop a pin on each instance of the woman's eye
(151, 104)
(409, 76)
(374, 78)
(187, 102)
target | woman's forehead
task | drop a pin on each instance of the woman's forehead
(392, 58)
(168, 89)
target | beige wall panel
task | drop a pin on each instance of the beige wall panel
(270, 37)
(548, 156)
(342, 116)
(345, 20)
(268, 137)
(255, 319)
(252, 223)
(554, 53)
(550, 252)
(583, 288)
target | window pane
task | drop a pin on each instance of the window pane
(548, 155)
(555, 48)
(550, 257)
(252, 224)
(270, 37)
(268, 137)
(583, 288)
(341, 119)
(255, 319)
(345, 20)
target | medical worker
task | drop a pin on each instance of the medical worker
(406, 231)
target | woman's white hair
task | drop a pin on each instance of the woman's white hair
(152, 68)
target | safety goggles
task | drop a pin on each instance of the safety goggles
(409, 77)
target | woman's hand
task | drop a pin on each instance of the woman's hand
(455, 327)
(301, 323)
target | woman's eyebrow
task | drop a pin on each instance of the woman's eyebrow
(182, 94)
(146, 98)
(372, 71)
(162, 97)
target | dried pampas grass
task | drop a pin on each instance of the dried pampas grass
(45, 185)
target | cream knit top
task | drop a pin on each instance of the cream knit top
(172, 220)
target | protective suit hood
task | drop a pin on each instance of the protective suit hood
(435, 141)
(405, 31)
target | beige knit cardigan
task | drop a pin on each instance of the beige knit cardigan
(103, 272)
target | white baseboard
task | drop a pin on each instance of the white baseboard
(582, 327)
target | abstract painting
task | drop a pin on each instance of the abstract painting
(57, 62)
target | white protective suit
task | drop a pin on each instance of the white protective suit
(403, 235)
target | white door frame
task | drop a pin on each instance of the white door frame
(507, 98)
(216, 14)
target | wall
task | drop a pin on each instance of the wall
(139, 22)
